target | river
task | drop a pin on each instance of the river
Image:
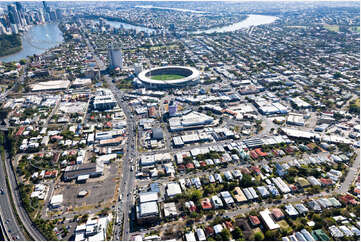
(42, 37)
(251, 20)
(117, 24)
(174, 9)
(37, 40)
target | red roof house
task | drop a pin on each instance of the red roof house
(206, 204)
(254, 220)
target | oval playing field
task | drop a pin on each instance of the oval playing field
(169, 76)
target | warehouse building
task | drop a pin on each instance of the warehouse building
(91, 169)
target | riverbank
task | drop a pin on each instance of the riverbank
(10, 44)
(245, 21)
(119, 20)
(35, 41)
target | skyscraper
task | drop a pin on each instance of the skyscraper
(19, 8)
(41, 16)
(59, 14)
(46, 7)
(21, 13)
(172, 108)
(13, 14)
(115, 57)
(52, 14)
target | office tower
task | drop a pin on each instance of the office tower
(2, 29)
(46, 16)
(115, 57)
(13, 14)
(59, 14)
(46, 7)
(41, 16)
(138, 68)
(172, 108)
(52, 14)
(14, 28)
(21, 13)
(28, 19)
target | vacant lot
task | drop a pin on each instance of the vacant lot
(100, 190)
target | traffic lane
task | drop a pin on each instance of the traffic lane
(24, 216)
(128, 179)
(7, 214)
(351, 175)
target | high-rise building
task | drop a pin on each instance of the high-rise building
(52, 15)
(21, 13)
(41, 16)
(46, 7)
(3, 21)
(14, 28)
(2, 29)
(27, 19)
(172, 108)
(138, 68)
(115, 57)
(46, 16)
(19, 7)
(13, 14)
(59, 14)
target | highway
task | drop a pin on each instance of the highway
(24, 217)
(7, 215)
(10, 223)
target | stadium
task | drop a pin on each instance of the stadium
(169, 77)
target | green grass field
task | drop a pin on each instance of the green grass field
(334, 28)
(166, 77)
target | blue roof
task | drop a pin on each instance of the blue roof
(154, 187)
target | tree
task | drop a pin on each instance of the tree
(247, 181)
(22, 62)
(225, 234)
(84, 218)
(194, 195)
(293, 171)
(272, 235)
(237, 233)
(337, 75)
(258, 236)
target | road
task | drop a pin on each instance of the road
(24, 217)
(126, 189)
(131, 154)
(351, 175)
(6, 207)
(7, 214)
(124, 207)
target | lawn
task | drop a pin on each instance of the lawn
(334, 28)
(166, 77)
(284, 225)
